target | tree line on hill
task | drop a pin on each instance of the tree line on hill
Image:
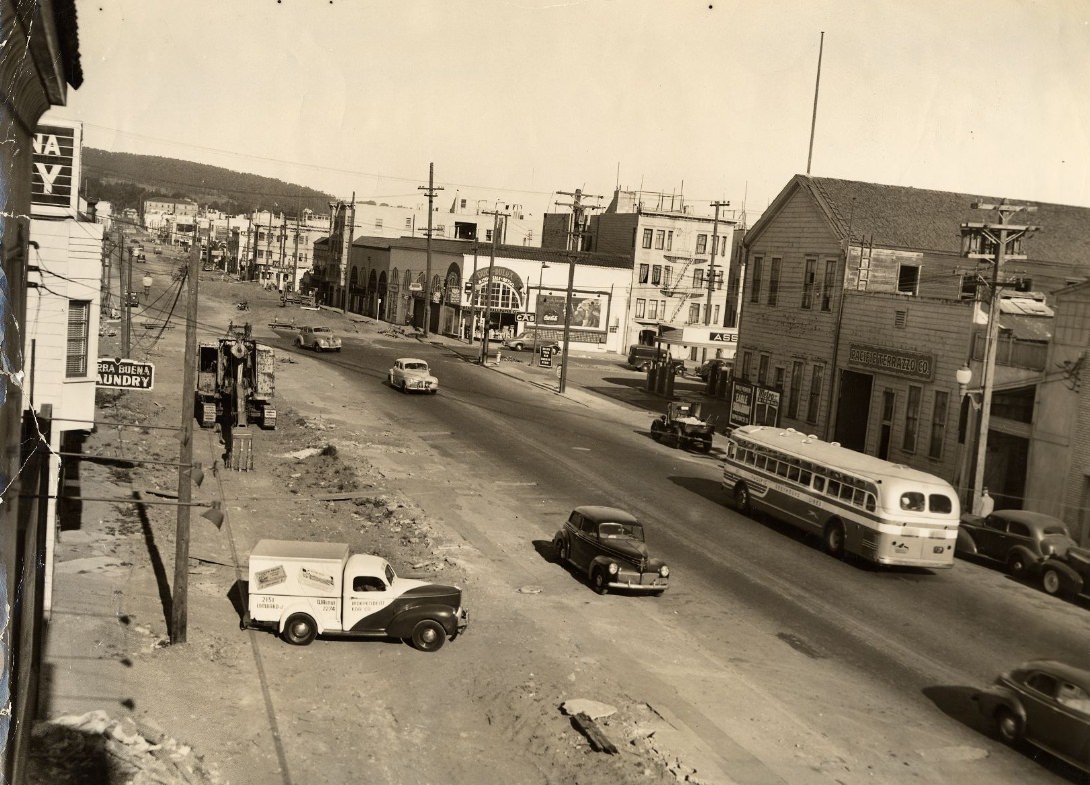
(127, 180)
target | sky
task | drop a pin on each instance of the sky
(518, 101)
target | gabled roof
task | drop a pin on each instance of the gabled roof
(894, 216)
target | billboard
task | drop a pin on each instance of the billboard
(588, 310)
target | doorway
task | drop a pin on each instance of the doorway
(853, 410)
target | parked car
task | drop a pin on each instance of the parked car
(1067, 572)
(608, 545)
(1020, 539)
(320, 339)
(1046, 703)
(705, 369)
(411, 374)
(518, 344)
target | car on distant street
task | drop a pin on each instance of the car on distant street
(1043, 702)
(607, 545)
(410, 374)
(320, 339)
(705, 369)
(1020, 539)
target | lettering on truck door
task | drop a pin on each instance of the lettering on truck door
(367, 599)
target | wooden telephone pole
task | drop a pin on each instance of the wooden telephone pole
(431, 192)
(575, 238)
(711, 264)
(1001, 236)
(179, 603)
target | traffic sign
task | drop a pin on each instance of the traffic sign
(118, 374)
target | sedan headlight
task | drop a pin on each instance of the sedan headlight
(664, 571)
(613, 568)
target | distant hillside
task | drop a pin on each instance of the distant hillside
(127, 180)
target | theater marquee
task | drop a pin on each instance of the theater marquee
(901, 363)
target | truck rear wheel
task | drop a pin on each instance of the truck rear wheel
(299, 630)
(429, 635)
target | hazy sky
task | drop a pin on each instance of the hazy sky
(519, 99)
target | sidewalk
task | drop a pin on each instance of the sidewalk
(597, 380)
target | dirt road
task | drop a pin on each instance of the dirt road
(243, 707)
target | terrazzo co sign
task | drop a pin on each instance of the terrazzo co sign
(876, 358)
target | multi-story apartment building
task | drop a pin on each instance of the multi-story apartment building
(680, 261)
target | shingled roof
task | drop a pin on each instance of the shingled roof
(894, 216)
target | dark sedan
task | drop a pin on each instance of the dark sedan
(607, 545)
(1046, 703)
(1020, 539)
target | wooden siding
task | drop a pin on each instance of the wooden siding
(936, 327)
(786, 332)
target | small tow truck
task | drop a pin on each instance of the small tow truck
(684, 426)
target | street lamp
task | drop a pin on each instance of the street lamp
(537, 311)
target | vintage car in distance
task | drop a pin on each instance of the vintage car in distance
(320, 339)
(607, 545)
(412, 375)
(705, 369)
(1019, 539)
(1046, 703)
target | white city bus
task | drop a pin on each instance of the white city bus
(880, 511)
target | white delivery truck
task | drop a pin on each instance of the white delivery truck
(300, 590)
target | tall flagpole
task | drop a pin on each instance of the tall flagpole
(813, 120)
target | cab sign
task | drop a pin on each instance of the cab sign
(118, 374)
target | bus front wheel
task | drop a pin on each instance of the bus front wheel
(741, 499)
(833, 539)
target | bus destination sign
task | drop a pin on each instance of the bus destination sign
(121, 374)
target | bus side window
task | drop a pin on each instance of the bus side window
(805, 477)
(819, 483)
(912, 501)
(871, 504)
(940, 504)
(846, 493)
(761, 461)
(793, 473)
(781, 468)
(833, 488)
(859, 497)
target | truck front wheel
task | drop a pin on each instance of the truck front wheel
(299, 630)
(429, 635)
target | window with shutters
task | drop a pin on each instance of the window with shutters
(79, 327)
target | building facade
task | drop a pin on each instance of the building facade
(859, 304)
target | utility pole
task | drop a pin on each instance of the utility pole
(711, 265)
(179, 605)
(488, 289)
(295, 258)
(347, 230)
(431, 191)
(575, 237)
(126, 309)
(1000, 235)
(473, 295)
(283, 238)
